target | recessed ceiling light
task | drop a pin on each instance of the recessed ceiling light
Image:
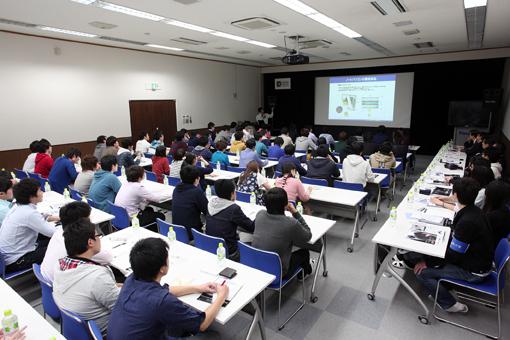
(229, 36)
(297, 6)
(84, 2)
(347, 32)
(129, 11)
(59, 30)
(324, 19)
(188, 26)
(259, 43)
(164, 47)
(474, 3)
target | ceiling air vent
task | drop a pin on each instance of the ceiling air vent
(122, 40)
(475, 24)
(187, 2)
(221, 48)
(427, 44)
(243, 52)
(189, 41)
(16, 23)
(345, 53)
(390, 7)
(403, 23)
(303, 45)
(256, 23)
(411, 32)
(102, 25)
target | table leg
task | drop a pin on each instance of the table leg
(377, 206)
(354, 230)
(257, 319)
(405, 174)
(322, 257)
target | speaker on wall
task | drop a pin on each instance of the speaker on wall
(492, 98)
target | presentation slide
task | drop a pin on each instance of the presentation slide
(364, 100)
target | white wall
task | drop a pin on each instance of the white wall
(84, 91)
(505, 84)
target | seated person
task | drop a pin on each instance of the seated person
(497, 198)
(105, 184)
(238, 143)
(383, 158)
(89, 165)
(327, 136)
(279, 233)
(276, 151)
(178, 143)
(29, 164)
(80, 284)
(304, 142)
(285, 136)
(100, 146)
(112, 147)
(219, 155)
(312, 135)
(202, 149)
(43, 160)
(251, 180)
(158, 139)
(493, 156)
(249, 154)
(203, 170)
(56, 250)
(145, 309)
(322, 166)
(211, 129)
(21, 240)
(194, 140)
(471, 139)
(188, 200)
(63, 173)
(290, 150)
(380, 135)
(125, 154)
(322, 141)
(135, 197)
(476, 148)
(355, 168)
(142, 144)
(160, 164)
(341, 144)
(293, 186)
(260, 146)
(224, 135)
(470, 252)
(177, 161)
(5, 197)
(224, 216)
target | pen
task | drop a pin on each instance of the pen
(223, 282)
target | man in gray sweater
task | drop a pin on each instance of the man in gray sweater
(278, 233)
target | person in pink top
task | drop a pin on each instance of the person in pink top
(293, 186)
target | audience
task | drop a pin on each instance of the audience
(135, 197)
(5, 197)
(483, 176)
(238, 143)
(188, 200)
(142, 144)
(279, 233)
(146, 309)
(285, 136)
(158, 139)
(175, 169)
(112, 147)
(25, 232)
(380, 135)
(29, 164)
(249, 154)
(384, 158)
(212, 130)
(225, 216)
(251, 180)
(105, 185)
(341, 145)
(160, 164)
(276, 151)
(355, 168)
(125, 154)
(493, 156)
(82, 285)
(100, 146)
(219, 155)
(43, 160)
(322, 166)
(322, 142)
(293, 186)
(178, 143)
(192, 160)
(202, 149)
(326, 135)
(312, 135)
(289, 157)
(194, 140)
(89, 165)
(63, 173)
(496, 209)
(476, 147)
(260, 146)
(303, 142)
(224, 136)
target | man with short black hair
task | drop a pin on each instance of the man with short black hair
(289, 157)
(5, 197)
(355, 168)
(105, 184)
(145, 309)
(285, 136)
(43, 159)
(275, 150)
(29, 164)
(212, 130)
(178, 143)
(112, 147)
(238, 143)
(63, 173)
(249, 154)
(260, 147)
(322, 165)
(470, 252)
(82, 285)
(125, 154)
(100, 146)
(202, 149)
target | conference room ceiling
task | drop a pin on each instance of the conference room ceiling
(439, 22)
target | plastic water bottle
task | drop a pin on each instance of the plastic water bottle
(67, 195)
(171, 239)
(263, 172)
(393, 215)
(47, 187)
(123, 171)
(135, 222)
(208, 192)
(165, 180)
(410, 196)
(218, 165)
(220, 253)
(299, 208)
(9, 323)
(253, 198)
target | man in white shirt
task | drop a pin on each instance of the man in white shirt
(29, 164)
(355, 168)
(285, 136)
(263, 116)
(56, 250)
(312, 136)
(329, 138)
(143, 145)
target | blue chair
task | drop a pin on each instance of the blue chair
(148, 155)
(181, 232)
(314, 181)
(173, 181)
(386, 183)
(270, 263)
(170, 158)
(75, 194)
(151, 176)
(277, 174)
(9, 276)
(121, 220)
(273, 159)
(339, 166)
(49, 306)
(20, 174)
(76, 328)
(400, 167)
(208, 243)
(235, 169)
(243, 196)
(118, 172)
(34, 175)
(493, 286)
(347, 186)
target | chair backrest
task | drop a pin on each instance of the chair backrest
(501, 257)
(386, 182)
(151, 176)
(170, 158)
(121, 219)
(302, 151)
(278, 174)
(181, 232)
(273, 159)
(148, 155)
(118, 172)
(243, 196)
(339, 165)
(75, 194)
(20, 174)
(34, 175)
(76, 328)
(235, 169)
(208, 243)
(314, 181)
(348, 186)
(265, 261)
(173, 181)
(2, 266)
(12, 275)
(400, 150)
(370, 148)
(48, 303)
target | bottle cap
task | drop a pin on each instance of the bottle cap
(7, 312)
(220, 245)
(171, 228)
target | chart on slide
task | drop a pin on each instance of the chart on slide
(368, 97)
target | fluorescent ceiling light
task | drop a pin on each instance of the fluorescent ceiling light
(325, 20)
(473, 3)
(84, 2)
(129, 11)
(188, 26)
(258, 43)
(59, 30)
(347, 31)
(164, 47)
(229, 36)
(297, 6)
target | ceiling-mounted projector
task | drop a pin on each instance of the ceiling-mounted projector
(293, 57)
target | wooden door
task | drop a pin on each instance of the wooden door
(148, 115)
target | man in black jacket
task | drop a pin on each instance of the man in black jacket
(322, 166)
(470, 252)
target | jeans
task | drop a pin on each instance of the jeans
(429, 278)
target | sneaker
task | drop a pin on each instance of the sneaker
(458, 308)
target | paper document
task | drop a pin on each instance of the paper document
(426, 233)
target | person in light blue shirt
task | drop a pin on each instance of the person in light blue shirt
(63, 171)
(105, 184)
(158, 139)
(220, 155)
(276, 151)
(260, 147)
(5, 197)
(249, 154)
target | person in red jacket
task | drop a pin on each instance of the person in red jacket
(43, 160)
(160, 164)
